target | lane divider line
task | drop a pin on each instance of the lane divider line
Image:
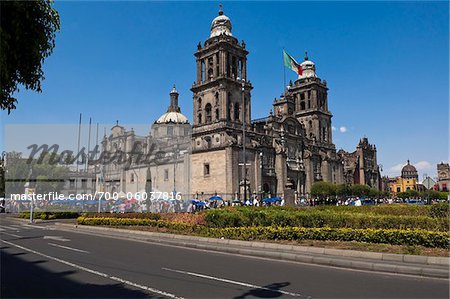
(67, 247)
(12, 235)
(56, 238)
(124, 281)
(235, 282)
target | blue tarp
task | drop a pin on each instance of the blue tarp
(272, 199)
(215, 198)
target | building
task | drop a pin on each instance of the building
(284, 153)
(360, 166)
(409, 180)
(228, 153)
(161, 158)
(443, 182)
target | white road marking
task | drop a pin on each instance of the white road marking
(67, 247)
(23, 226)
(235, 282)
(56, 238)
(10, 228)
(40, 227)
(13, 235)
(16, 226)
(124, 281)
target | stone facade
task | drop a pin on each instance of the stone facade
(443, 171)
(283, 153)
(289, 150)
(162, 158)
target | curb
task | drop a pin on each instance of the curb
(372, 261)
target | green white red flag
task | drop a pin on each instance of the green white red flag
(291, 64)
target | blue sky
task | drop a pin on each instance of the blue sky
(386, 64)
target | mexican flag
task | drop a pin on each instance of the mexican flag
(290, 63)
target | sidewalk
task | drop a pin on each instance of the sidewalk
(371, 261)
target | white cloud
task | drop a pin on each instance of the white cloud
(333, 128)
(421, 166)
(343, 129)
(396, 169)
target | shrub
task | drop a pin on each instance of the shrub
(241, 217)
(440, 210)
(154, 216)
(388, 236)
(50, 215)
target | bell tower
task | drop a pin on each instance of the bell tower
(310, 94)
(221, 80)
(221, 103)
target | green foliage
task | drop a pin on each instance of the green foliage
(111, 221)
(153, 216)
(48, 175)
(50, 215)
(388, 236)
(440, 210)
(27, 37)
(360, 190)
(323, 189)
(244, 216)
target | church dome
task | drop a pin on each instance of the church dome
(173, 114)
(172, 117)
(409, 171)
(221, 25)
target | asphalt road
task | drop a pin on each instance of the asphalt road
(40, 261)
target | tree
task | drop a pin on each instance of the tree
(27, 30)
(323, 189)
(359, 190)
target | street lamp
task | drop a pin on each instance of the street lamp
(175, 156)
(244, 165)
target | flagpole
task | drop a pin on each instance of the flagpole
(284, 71)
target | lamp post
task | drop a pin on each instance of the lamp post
(175, 156)
(244, 165)
(261, 174)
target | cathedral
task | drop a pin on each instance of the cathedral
(227, 153)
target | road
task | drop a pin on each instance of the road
(40, 261)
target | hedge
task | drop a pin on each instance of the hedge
(388, 236)
(111, 221)
(50, 215)
(240, 217)
(154, 216)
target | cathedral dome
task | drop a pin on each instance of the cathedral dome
(221, 25)
(172, 117)
(173, 114)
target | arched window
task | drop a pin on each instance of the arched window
(217, 114)
(210, 74)
(237, 112)
(302, 106)
(208, 141)
(216, 99)
(208, 113)
(199, 119)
